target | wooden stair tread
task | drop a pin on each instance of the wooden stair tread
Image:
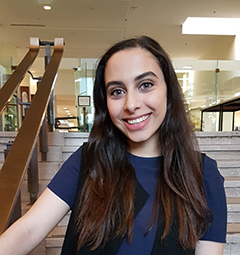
(232, 178)
(233, 200)
(233, 228)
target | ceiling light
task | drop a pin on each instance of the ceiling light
(47, 7)
(187, 67)
(134, 8)
(211, 26)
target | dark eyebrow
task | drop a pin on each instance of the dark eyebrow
(144, 75)
(113, 83)
(141, 76)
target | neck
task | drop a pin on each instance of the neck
(143, 149)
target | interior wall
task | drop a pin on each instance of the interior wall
(64, 84)
(223, 48)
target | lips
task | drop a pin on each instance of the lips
(137, 120)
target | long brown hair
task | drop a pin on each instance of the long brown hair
(105, 207)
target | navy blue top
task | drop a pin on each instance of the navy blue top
(64, 185)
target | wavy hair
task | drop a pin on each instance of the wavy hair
(105, 205)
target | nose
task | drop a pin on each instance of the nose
(132, 102)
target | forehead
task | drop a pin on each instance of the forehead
(133, 60)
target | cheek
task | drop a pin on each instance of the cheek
(115, 110)
(111, 109)
(160, 103)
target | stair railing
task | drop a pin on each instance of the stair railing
(17, 161)
(14, 80)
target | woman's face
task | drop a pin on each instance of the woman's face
(136, 97)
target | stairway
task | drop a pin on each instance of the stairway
(222, 146)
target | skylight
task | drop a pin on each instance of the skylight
(211, 26)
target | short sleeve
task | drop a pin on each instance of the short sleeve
(64, 183)
(216, 200)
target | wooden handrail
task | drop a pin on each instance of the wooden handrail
(13, 170)
(14, 80)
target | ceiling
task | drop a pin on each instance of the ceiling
(89, 27)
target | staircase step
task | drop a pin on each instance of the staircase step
(57, 232)
(233, 200)
(223, 155)
(229, 171)
(232, 181)
(47, 170)
(232, 186)
(233, 163)
(233, 207)
(217, 147)
(75, 139)
(232, 246)
(233, 228)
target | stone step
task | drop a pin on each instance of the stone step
(232, 181)
(232, 246)
(220, 147)
(229, 171)
(224, 163)
(232, 186)
(224, 155)
(225, 136)
(47, 170)
(233, 207)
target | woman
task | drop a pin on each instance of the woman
(142, 187)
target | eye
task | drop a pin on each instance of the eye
(117, 92)
(146, 85)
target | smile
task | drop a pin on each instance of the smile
(138, 120)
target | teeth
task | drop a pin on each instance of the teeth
(136, 121)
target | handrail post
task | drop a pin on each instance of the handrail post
(50, 115)
(48, 121)
(17, 211)
(43, 137)
(33, 184)
(32, 174)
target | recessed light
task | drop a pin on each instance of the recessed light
(187, 67)
(134, 8)
(47, 7)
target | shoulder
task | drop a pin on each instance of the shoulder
(64, 184)
(216, 201)
(211, 170)
(212, 179)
